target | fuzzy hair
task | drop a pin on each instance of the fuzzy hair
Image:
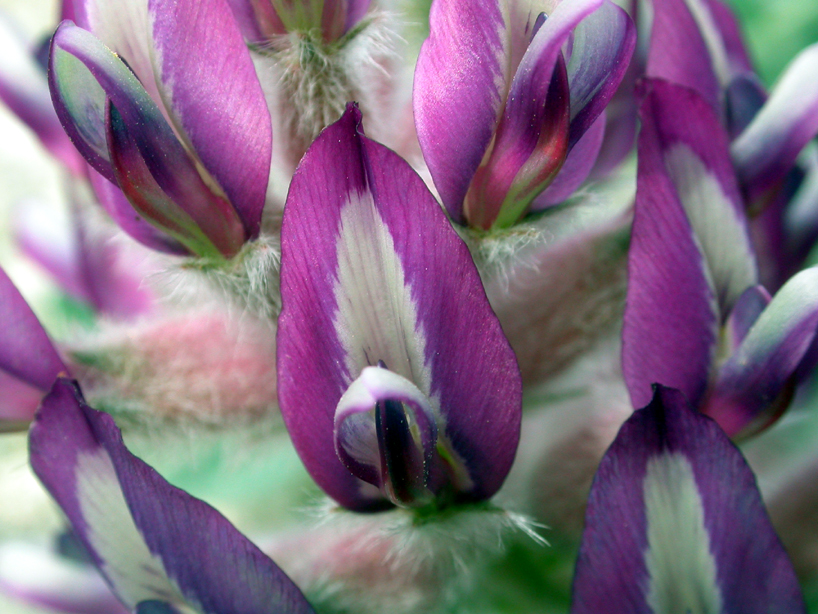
(396, 561)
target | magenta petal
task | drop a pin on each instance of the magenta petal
(601, 51)
(575, 170)
(26, 352)
(223, 111)
(675, 522)
(748, 393)
(672, 318)
(450, 85)
(372, 271)
(151, 541)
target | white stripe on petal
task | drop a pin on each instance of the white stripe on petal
(712, 39)
(376, 317)
(134, 572)
(681, 568)
(721, 233)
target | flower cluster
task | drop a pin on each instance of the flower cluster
(456, 280)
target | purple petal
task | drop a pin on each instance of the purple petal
(671, 323)
(767, 149)
(149, 137)
(151, 541)
(675, 522)
(223, 112)
(748, 393)
(26, 352)
(372, 271)
(748, 307)
(122, 212)
(24, 88)
(18, 402)
(256, 19)
(729, 37)
(695, 152)
(450, 84)
(576, 168)
(743, 99)
(601, 51)
(679, 53)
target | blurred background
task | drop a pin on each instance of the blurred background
(775, 31)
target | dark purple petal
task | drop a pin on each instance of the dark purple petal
(151, 541)
(767, 148)
(743, 99)
(671, 323)
(223, 111)
(122, 212)
(675, 522)
(601, 51)
(462, 71)
(372, 271)
(576, 168)
(747, 395)
(696, 156)
(679, 53)
(26, 352)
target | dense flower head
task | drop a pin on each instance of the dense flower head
(295, 367)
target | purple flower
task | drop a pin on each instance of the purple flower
(675, 522)
(497, 132)
(192, 156)
(395, 381)
(695, 316)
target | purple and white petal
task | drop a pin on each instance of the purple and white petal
(672, 320)
(24, 88)
(601, 51)
(675, 523)
(679, 52)
(575, 169)
(373, 272)
(767, 148)
(26, 352)
(696, 156)
(728, 37)
(753, 386)
(154, 543)
(222, 113)
(746, 311)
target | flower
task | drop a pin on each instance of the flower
(393, 371)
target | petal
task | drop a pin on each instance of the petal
(696, 156)
(672, 319)
(122, 212)
(151, 541)
(748, 307)
(372, 271)
(222, 112)
(26, 352)
(675, 522)
(576, 168)
(375, 436)
(679, 52)
(767, 148)
(747, 394)
(462, 71)
(601, 51)
(24, 88)
(743, 99)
